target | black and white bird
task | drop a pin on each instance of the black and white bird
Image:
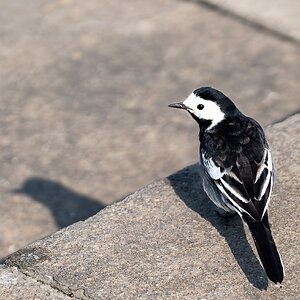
(238, 172)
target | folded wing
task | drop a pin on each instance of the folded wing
(246, 184)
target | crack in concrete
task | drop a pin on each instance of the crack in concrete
(57, 288)
(247, 21)
(25, 259)
(56, 285)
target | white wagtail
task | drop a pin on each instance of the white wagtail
(238, 170)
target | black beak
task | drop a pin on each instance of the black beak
(178, 105)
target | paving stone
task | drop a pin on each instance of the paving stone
(84, 93)
(16, 285)
(166, 241)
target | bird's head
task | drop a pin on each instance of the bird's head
(208, 106)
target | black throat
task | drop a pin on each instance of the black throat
(203, 125)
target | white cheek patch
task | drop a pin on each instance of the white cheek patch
(211, 110)
(191, 102)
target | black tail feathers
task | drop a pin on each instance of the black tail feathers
(266, 248)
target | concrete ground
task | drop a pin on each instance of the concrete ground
(84, 93)
(166, 241)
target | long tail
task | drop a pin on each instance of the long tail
(266, 248)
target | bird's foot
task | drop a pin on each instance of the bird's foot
(225, 215)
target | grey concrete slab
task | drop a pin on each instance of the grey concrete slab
(166, 241)
(84, 93)
(16, 285)
(279, 15)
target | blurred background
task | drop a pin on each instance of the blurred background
(84, 88)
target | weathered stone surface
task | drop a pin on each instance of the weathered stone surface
(167, 242)
(16, 285)
(84, 93)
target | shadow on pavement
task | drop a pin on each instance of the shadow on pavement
(187, 185)
(66, 206)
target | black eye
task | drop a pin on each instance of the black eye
(200, 106)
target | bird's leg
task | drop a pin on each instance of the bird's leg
(225, 215)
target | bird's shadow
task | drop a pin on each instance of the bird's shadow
(187, 185)
(66, 205)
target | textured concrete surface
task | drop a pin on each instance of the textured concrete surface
(167, 242)
(266, 13)
(84, 93)
(16, 285)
